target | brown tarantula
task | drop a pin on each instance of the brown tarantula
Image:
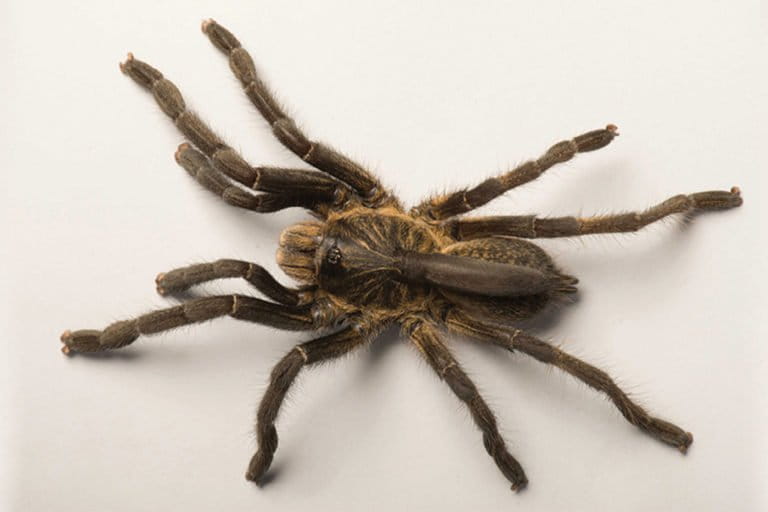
(366, 262)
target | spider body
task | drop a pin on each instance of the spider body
(364, 262)
(357, 255)
(376, 258)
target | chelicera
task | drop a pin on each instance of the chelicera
(365, 262)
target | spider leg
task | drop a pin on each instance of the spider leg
(222, 157)
(427, 340)
(465, 200)
(282, 376)
(530, 226)
(125, 332)
(593, 377)
(180, 279)
(282, 196)
(319, 155)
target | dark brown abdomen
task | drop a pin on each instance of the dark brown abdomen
(512, 251)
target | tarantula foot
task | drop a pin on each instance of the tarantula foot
(718, 199)
(206, 24)
(184, 146)
(519, 486)
(158, 282)
(613, 129)
(258, 467)
(683, 447)
(80, 341)
(124, 65)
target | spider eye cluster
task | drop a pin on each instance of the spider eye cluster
(333, 256)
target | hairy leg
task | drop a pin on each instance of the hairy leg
(465, 200)
(125, 332)
(531, 226)
(180, 279)
(594, 377)
(313, 196)
(283, 375)
(427, 340)
(285, 129)
(222, 156)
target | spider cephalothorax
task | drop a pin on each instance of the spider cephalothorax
(365, 262)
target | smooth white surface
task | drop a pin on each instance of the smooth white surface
(432, 96)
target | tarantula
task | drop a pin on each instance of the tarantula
(366, 262)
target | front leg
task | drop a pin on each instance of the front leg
(181, 279)
(285, 187)
(286, 130)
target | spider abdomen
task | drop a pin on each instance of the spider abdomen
(513, 251)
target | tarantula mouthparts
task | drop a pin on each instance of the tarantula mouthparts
(365, 262)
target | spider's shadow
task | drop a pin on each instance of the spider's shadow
(382, 345)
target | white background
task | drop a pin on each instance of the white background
(432, 96)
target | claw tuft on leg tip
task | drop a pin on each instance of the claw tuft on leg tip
(177, 155)
(519, 487)
(735, 190)
(684, 447)
(66, 336)
(158, 279)
(612, 128)
(128, 60)
(206, 24)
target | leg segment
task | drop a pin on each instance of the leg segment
(442, 361)
(594, 377)
(120, 334)
(466, 200)
(534, 227)
(283, 375)
(223, 157)
(284, 128)
(199, 167)
(601, 381)
(180, 279)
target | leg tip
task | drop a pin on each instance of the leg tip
(206, 24)
(84, 340)
(736, 192)
(158, 283)
(124, 65)
(182, 147)
(65, 338)
(683, 447)
(613, 129)
(255, 479)
(519, 486)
